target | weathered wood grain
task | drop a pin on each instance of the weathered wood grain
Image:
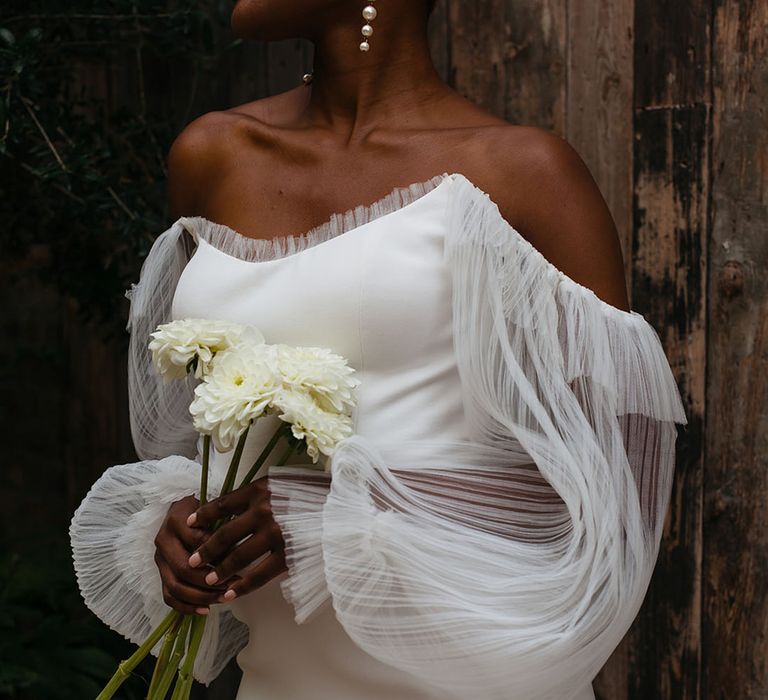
(287, 61)
(535, 39)
(439, 39)
(735, 577)
(476, 45)
(671, 176)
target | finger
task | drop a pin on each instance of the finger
(232, 503)
(176, 557)
(223, 540)
(182, 607)
(254, 578)
(185, 505)
(191, 595)
(241, 556)
(191, 537)
(186, 598)
(167, 573)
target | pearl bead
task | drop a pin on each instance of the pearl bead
(364, 46)
(369, 13)
(367, 30)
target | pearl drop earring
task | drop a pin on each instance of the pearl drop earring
(369, 14)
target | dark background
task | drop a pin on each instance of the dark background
(665, 101)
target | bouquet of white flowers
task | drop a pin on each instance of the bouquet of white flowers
(242, 378)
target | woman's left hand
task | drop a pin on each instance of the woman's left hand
(252, 510)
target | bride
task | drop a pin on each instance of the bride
(490, 529)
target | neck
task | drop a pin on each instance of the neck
(355, 91)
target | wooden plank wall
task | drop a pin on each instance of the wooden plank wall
(667, 103)
(734, 635)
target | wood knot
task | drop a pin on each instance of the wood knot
(732, 278)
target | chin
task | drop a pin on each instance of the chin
(268, 20)
(247, 20)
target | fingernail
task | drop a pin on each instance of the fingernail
(192, 519)
(201, 611)
(230, 595)
(195, 560)
(211, 578)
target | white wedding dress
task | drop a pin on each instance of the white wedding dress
(489, 530)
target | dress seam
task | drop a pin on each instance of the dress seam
(365, 243)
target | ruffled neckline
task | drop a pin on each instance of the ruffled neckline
(262, 250)
(401, 198)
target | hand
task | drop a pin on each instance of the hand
(252, 510)
(184, 587)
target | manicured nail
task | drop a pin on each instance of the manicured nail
(192, 519)
(195, 560)
(211, 578)
(230, 595)
(201, 611)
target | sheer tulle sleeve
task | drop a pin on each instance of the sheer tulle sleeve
(515, 560)
(159, 411)
(113, 530)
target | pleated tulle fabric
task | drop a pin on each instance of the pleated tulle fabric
(506, 565)
(113, 546)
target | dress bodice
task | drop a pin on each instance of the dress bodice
(377, 293)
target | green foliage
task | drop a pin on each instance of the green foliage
(92, 95)
(51, 646)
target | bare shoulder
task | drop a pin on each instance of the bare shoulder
(545, 189)
(209, 147)
(199, 158)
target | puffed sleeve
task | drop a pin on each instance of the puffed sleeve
(158, 410)
(510, 564)
(113, 530)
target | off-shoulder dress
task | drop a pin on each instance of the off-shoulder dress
(490, 529)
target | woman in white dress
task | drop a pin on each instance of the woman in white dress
(490, 529)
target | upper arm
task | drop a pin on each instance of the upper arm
(562, 212)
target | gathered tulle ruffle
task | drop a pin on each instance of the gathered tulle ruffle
(578, 334)
(112, 535)
(233, 243)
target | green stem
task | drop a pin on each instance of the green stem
(173, 664)
(265, 453)
(163, 656)
(204, 472)
(183, 685)
(125, 668)
(284, 457)
(229, 480)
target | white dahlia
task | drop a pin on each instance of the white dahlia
(320, 429)
(323, 374)
(194, 342)
(243, 381)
